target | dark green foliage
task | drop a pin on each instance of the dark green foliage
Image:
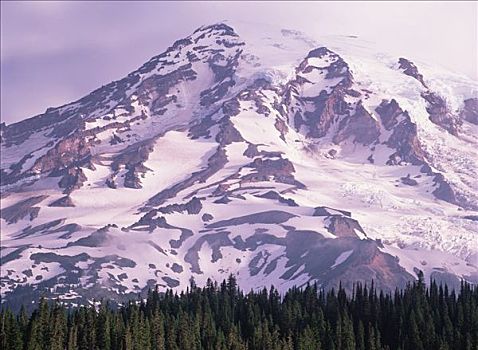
(222, 317)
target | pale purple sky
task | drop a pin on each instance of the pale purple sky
(55, 52)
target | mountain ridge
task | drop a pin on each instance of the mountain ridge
(210, 160)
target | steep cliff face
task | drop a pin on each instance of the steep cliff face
(228, 153)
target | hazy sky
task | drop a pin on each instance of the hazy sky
(55, 52)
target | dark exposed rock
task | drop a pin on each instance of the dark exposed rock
(266, 217)
(228, 133)
(319, 52)
(326, 211)
(316, 255)
(73, 178)
(222, 200)
(158, 248)
(66, 154)
(221, 28)
(132, 160)
(215, 242)
(281, 170)
(411, 70)
(282, 127)
(253, 152)
(326, 107)
(444, 190)
(439, 113)
(28, 273)
(404, 135)
(194, 206)
(110, 183)
(185, 234)
(22, 209)
(15, 254)
(206, 217)
(353, 93)
(96, 239)
(181, 43)
(28, 231)
(152, 222)
(257, 263)
(404, 139)
(202, 129)
(171, 282)
(408, 181)
(62, 202)
(361, 126)
(470, 110)
(390, 113)
(177, 268)
(67, 262)
(342, 226)
(223, 76)
(276, 196)
(15, 171)
(231, 107)
(115, 139)
(155, 90)
(49, 228)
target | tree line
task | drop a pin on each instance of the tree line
(223, 317)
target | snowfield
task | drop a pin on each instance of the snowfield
(245, 150)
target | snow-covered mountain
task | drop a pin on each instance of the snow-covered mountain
(250, 151)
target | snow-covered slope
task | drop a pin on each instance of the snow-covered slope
(275, 157)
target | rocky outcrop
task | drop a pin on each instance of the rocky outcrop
(266, 217)
(206, 217)
(252, 151)
(194, 206)
(343, 226)
(66, 153)
(411, 70)
(404, 134)
(437, 108)
(223, 69)
(72, 178)
(280, 170)
(439, 113)
(276, 196)
(132, 160)
(22, 209)
(470, 111)
(361, 127)
(228, 133)
(326, 107)
(443, 190)
(407, 180)
(65, 201)
(326, 211)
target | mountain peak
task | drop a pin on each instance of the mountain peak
(220, 27)
(219, 155)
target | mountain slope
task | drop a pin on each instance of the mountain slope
(276, 158)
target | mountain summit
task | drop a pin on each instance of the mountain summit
(274, 157)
